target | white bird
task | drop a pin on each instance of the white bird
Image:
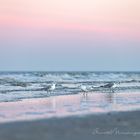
(50, 87)
(83, 88)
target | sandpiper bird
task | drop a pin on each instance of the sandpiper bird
(50, 88)
(110, 85)
(84, 89)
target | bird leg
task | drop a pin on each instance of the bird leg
(85, 94)
(49, 93)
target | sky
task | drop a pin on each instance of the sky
(70, 35)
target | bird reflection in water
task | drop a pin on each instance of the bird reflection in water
(109, 98)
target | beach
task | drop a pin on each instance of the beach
(69, 117)
(68, 105)
(69, 69)
(29, 111)
(120, 125)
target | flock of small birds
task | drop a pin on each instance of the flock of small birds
(83, 88)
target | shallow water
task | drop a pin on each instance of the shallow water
(68, 105)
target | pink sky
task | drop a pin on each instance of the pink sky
(113, 18)
(69, 35)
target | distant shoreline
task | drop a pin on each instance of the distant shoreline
(123, 71)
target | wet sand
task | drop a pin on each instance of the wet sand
(68, 105)
(72, 117)
(109, 126)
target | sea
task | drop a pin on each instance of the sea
(24, 94)
(24, 85)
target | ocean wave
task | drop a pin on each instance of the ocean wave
(13, 82)
(32, 84)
